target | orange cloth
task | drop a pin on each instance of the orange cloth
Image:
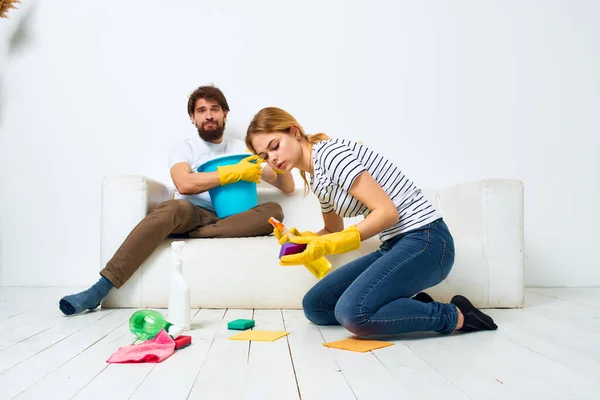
(359, 345)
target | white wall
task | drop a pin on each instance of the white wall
(451, 90)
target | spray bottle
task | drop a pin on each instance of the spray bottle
(318, 268)
(146, 324)
(179, 293)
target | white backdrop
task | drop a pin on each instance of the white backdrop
(450, 90)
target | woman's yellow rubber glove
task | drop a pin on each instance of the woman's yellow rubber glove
(319, 246)
(284, 238)
(248, 170)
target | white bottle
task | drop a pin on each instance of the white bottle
(179, 294)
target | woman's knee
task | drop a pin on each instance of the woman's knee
(348, 315)
(314, 310)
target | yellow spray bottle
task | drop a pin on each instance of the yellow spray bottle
(318, 268)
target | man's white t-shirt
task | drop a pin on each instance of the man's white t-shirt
(195, 152)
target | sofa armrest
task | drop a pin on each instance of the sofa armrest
(492, 212)
(504, 240)
(126, 200)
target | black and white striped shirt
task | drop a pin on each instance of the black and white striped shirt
(338, 162)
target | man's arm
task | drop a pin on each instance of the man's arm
(188, 182)
(283, 182)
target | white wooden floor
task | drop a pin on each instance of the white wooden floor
(549, 350)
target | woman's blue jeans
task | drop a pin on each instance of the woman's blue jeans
(372, 295)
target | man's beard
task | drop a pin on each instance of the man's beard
(212, 135)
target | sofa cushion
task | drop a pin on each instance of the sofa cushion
(245, 278)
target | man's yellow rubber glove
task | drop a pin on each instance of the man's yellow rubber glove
(319, 246)
(284, 238)
(248, 170)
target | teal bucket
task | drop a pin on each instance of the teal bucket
(233, 198)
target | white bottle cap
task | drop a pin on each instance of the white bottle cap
(176, 330)
(177, 250)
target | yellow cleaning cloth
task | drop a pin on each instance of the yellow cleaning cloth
(358, 345)
(260, 336)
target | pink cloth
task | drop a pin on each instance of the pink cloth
(154, 350)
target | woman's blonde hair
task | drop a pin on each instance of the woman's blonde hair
(273, 119)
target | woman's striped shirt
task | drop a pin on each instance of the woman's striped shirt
(338, 162)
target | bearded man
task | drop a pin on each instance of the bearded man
(190, 214)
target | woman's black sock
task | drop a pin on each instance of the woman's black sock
(423, 297)
(475, 320)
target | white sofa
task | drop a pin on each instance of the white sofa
(485, 218)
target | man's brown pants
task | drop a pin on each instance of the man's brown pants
(180, 217)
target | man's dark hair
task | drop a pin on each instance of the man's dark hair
(208, 93)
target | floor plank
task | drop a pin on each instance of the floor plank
(71, 377)
(517, 332)
(174, 377)
(584, 296)
(29, 323)
(551, 330)
(549, 349)
(419, 378)
(520, 369)
(458, 369)
(16, 300)
(45, 339)
(116, 380)
(270, 369)
(223, 371)
(367, 376)
(582, 316)
(318, 373)
(21, 376)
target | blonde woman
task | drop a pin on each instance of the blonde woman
(374, 293)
